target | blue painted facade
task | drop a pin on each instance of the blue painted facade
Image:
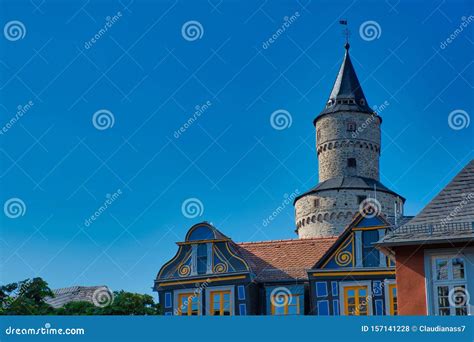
(210, 275)
(198, 277)
(353, 277)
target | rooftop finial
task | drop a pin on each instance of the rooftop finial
(346, 33)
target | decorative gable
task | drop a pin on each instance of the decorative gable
(205, 252)
(354, 247)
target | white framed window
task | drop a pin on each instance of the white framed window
(449, 285)
(391, 298)
(201, 258)
(220, 301)
(187, 302)
(355, 298)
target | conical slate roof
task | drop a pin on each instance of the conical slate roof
(347, 93)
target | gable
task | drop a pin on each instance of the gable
(366, 222)
(347, 251)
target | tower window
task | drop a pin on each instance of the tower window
(316, 203)
(351, 126)
(361, 198)
(351, 162)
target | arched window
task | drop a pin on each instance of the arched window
(201, 233)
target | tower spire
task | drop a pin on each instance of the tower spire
(347, 93)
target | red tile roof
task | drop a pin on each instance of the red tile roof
(284, 259)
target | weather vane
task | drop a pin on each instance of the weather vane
(345, 31)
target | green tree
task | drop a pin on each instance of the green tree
(78, 309)
(126, 303)
(25, 298)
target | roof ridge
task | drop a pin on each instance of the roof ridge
(289, 240)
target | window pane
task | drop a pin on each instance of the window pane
(443, 300)
(370, 255)
(441, 269)
(292, 310)
(202, 258)
(201, 233)
(443, 312)
(458, 268)
(278, 310)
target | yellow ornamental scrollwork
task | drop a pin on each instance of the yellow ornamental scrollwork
(220, 268)
(343, 258)
(184, 270)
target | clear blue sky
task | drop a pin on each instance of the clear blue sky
(151, 79)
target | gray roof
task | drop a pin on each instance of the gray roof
(76, 294)
(400, 221)
(360, 183)
(449, 217)
(347, 93)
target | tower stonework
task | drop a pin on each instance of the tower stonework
(348, 145)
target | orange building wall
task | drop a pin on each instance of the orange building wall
(410, 281)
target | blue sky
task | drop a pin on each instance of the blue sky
(151, 79)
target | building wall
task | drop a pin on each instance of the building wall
(328, 298)
(335, 211)
(334, 144)
(410, 276)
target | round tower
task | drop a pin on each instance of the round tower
(348, 149)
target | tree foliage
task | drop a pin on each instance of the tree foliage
(27, 297)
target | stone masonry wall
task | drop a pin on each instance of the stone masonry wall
(335, 210)
(335, 144)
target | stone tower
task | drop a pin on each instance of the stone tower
(348, 149)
